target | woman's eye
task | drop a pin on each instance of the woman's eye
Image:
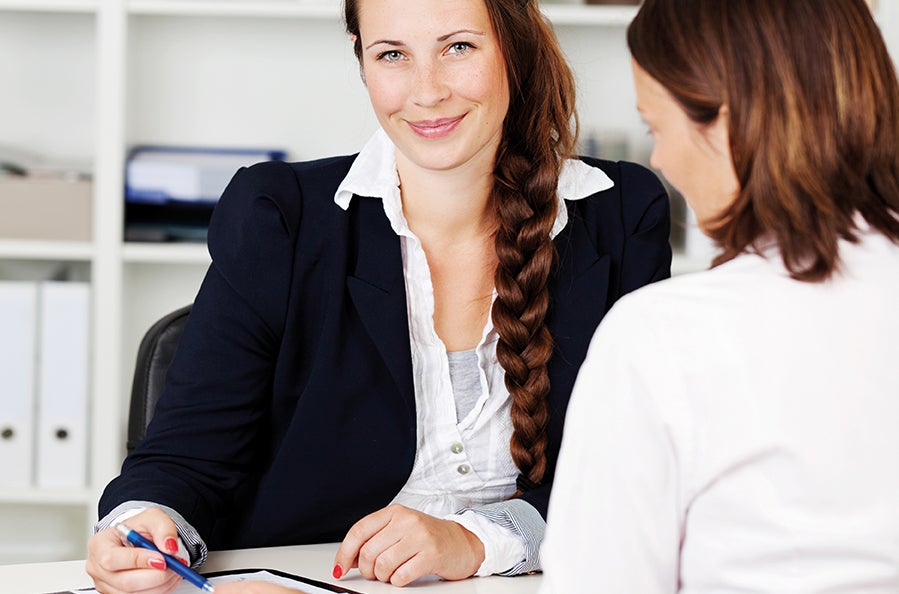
(460, 47)
(391, 56)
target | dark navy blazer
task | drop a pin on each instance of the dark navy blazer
(288, 412)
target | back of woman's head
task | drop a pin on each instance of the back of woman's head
(813, 108)
(539, 132)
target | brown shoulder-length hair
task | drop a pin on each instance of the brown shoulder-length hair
(813, 116)
(539, 132)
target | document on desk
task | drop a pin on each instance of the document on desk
(271, 576)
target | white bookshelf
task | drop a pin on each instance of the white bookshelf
(172, 253)
(214, 8)
(589, 16)
(54, 497)
(52, 6)
(93, 77)
(565, 14)
(65, 251)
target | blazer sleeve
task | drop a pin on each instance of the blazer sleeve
(633, 230)
(205, 432)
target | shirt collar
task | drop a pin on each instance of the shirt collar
(373, 174)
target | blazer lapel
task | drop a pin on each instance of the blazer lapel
(377, 289)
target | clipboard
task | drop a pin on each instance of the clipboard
(299, 580)
(269, 575)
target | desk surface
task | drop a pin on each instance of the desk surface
(312, 561)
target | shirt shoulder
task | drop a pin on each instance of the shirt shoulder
(635, 177)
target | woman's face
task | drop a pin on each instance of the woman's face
(436, 78)
(695, 159)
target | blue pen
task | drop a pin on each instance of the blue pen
(136, 538)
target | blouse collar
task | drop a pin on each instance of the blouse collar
(373, 174)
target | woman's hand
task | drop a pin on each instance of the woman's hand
(399, 545)
(118, 569)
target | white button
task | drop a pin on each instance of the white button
(457, 448)
(464, 469)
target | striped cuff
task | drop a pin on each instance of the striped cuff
(503, 548)
(194, 547)
(521, 519)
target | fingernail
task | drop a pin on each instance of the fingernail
(171, 545)
(338, 572)
(157, 563)
(182, 559)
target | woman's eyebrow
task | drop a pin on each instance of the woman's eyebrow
(472, 31)
(395, 42)
(385, 42)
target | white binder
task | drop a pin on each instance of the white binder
(63, 384)
(18, 315)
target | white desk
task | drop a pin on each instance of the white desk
(312, 561)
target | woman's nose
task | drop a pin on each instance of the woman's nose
(430, 86)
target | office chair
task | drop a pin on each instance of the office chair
(154, 355)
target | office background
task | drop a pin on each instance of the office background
(85, 80)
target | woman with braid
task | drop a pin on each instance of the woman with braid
(384, 345)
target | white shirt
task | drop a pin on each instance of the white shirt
(737, 431)
(466, 462)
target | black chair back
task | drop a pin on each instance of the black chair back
(157, 348)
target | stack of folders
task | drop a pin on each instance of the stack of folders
(44, 361)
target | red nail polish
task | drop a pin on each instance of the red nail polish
(338, 572)
(171, 545)
(182, 560)
(157, 563)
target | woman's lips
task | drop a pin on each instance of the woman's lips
(435, 128)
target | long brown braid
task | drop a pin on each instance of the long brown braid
(539, 132)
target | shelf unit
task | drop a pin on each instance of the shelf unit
(64, 251)
(97, 76)
(610, 15)
(55, 6)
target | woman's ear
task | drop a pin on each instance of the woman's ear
(718, 132)
(718, 136)
(353, 39)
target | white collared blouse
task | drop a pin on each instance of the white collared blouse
(459, 463)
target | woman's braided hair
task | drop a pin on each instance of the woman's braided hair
(540, 131)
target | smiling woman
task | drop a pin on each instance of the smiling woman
(384, 346)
